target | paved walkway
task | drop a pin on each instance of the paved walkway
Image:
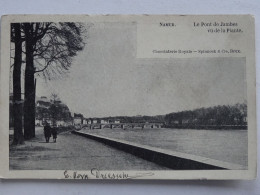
(73, 152)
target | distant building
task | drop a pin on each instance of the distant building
(77, 119)
(43, 102)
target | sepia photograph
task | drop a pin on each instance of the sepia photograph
(80, 99)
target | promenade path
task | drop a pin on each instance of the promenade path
(73, 152)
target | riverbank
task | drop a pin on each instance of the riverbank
(223, 145)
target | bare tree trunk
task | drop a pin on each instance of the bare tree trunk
(17, 103)
(29, 98)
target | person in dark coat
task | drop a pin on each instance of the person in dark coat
(54, 133)
(47, 132)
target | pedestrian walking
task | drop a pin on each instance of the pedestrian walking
(54, 133)
(47, 132)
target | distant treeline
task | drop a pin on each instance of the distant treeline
(217, 117)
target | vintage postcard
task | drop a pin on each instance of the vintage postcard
(128, 97)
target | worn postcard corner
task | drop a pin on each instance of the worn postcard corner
(128, 97)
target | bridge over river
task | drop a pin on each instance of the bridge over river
(121, 125)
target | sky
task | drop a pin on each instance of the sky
(106, 79)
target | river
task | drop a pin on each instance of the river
(224, 145)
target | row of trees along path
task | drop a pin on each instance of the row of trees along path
(48, 49)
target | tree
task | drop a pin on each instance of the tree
(29, 85)
(55, 109)
(17, 100)
(50, 48)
